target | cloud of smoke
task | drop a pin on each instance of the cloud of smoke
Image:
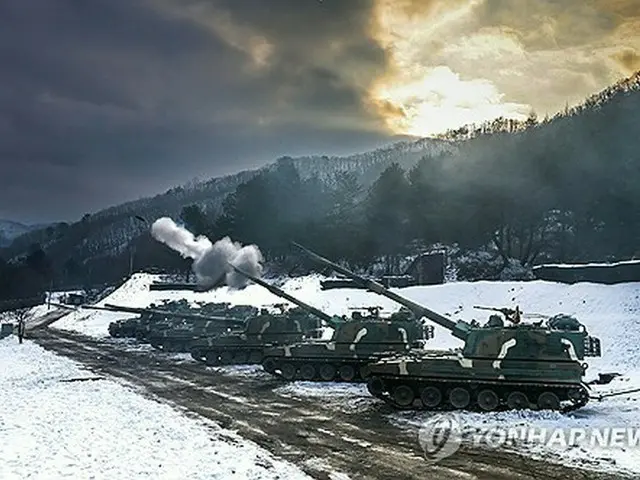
(210, 260)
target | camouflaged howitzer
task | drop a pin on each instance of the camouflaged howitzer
(177, 334)
(353, 344)
(151, 321)
(180, 337)
(245, 346)
(537, 366)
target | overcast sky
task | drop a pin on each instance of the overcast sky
(103, 101)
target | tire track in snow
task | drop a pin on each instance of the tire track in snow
(362, 443)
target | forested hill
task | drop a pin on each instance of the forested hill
(107, 233)
(501, 124)
(368, 166)
(564, 189)
(10, 230)
(567, 189)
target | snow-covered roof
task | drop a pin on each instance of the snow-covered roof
(586, 265)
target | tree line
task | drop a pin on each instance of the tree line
(562, 191)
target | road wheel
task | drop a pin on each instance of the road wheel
(213, 359)
(255, 357)
(240, 358)
(288, 371)
(548, 401)
(226, 358)
(403, 395)
(488, 400)
(375, 385)
(347, 373)
(269, 365)
(365, 372)
(517, 401)
(459, 398)
(307, 372)
(327, 372)
(431, 396)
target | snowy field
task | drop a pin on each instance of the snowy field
(610, 312)
(51, 427)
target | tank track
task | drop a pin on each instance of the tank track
(172, 345)
(410, 393)
(319, 370)
(229, 356)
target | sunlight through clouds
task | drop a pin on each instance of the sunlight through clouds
(422, 99)
(456, 62)
(440, 100)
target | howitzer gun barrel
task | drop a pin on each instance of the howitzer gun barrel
(95, 307)
(494, 309)
(479, 307)
(282, 294)
(417, 309)
(193, 287)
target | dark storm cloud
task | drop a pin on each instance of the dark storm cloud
(104, 101)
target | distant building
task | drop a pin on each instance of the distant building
(75, 299)
(424, 269)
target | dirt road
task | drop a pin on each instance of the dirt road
(318, 437)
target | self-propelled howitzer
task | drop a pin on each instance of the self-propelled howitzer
(246, 345)
(522, 365)
(153, 320)
(354, 344)
(166, 313)
(265, 329)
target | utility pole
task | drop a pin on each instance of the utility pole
(50, 294)
(132, 247)
(132, 250)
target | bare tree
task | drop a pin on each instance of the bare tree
(20, 317)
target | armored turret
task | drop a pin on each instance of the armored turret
(518, 365)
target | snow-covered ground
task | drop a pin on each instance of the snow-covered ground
(610, 312)
(53, 428)
(39, 311)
